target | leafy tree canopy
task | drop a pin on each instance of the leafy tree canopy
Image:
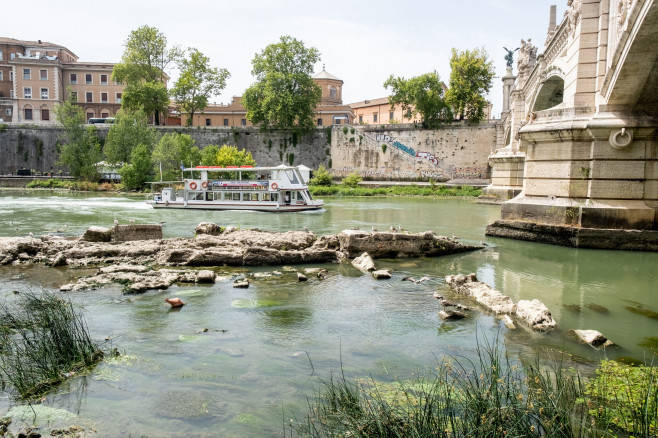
(284, 95)
(128, 130)
(79, 146)
(197, 82)
(471, 78)
(172, 151)
(135, 174)
(142, 69)
(321, 177)
(420, 95)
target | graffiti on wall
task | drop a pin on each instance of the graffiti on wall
(470, 172)
(428, 156)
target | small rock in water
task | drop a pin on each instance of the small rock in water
(381, 274)
(592, 337)
(175, 302)
(446, 303)
(597, 308)
(242, 283)
(451, 315)
(508, 322)
(438, 296)
(301, 277)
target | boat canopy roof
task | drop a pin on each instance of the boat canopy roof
(239, 168)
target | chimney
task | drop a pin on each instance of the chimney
(551, 21)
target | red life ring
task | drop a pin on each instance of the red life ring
(204, 184)
(275, 186)
(192, 185)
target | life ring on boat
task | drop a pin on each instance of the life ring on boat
(192, 185)
(204, 184)
(275, 186)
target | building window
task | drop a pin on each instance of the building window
(103, 97)
(73, 78)
(11, 76)
(360, 119)
(90, 116)
(28, 113)
(320, 122)
(27, 92)
(89, 97)
(225, 122)
(8, 112)
(103, 79)
(43, 75)
(0, 75)
(45, 114)
(332, 92)
(88, 80)
(243, 122)
(374, 118)
(207, 122)
(390, 115)
(0, 55)
(74, 96)
(44, 93)
(118, 97)
(26, 73)
(105, 115)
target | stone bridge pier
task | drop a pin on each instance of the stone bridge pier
(584, 117)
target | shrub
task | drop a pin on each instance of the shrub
(345, 130)
(321, 177)
(384, 146)
(352, 180)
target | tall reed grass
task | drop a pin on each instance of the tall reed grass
(43, 340)
(489, 397)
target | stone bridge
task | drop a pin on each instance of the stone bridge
(578, 146)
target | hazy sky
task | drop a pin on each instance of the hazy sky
(362, 42)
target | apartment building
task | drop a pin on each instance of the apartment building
(35, 76)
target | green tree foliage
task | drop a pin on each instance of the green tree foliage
(352, 180)
(142, 70)
(173, 150)
(231, 156)
(420, 95)
(321, 177)
(128, 130)
(209, 155)
(135, 174)
(284, 95)
(471, 77)
(79, 147)
(197, 82)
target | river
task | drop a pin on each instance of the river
(266, 346)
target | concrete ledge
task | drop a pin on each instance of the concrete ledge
(627, 240)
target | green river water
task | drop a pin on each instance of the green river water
(266, 346)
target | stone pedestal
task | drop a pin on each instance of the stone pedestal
(506, 176)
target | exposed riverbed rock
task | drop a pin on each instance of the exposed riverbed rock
(97, 234)
(592, 337)
(536, 314)
(364, 263)
(482, 293)
(208, 228)
(381, 274)
(399, 245)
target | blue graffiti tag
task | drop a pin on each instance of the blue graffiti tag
(404, 148)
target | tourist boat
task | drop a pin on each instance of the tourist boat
(275, 189)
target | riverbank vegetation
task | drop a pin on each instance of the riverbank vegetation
(489, 397)
(43, 341)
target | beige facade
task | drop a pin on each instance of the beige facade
(330, 110)
(35, 76)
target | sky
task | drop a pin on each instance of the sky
(362, 42)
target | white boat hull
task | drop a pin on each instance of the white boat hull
(255, 206)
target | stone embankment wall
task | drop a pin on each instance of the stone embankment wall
(35, 148)
(407, 153)
(457, 151)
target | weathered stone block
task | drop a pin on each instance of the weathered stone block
(97, 234)
(124, 233)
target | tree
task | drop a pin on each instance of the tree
(471, 77)
(128, 130)
(172, 151)
(284, 95)
(135, 174)
(197, 82)
(321, 177)
(420, 95)
(142, 69)
(79, 146)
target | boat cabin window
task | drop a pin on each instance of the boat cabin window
(253, 196)
(218, 196)
(299, 196)
(234, 196)
(266, 196)
(292, 176)
(274, 196)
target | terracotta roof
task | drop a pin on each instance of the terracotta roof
(33, 44)
(371, 102)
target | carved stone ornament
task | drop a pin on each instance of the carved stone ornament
(621, 139)
(622, 14)
(573, 14)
